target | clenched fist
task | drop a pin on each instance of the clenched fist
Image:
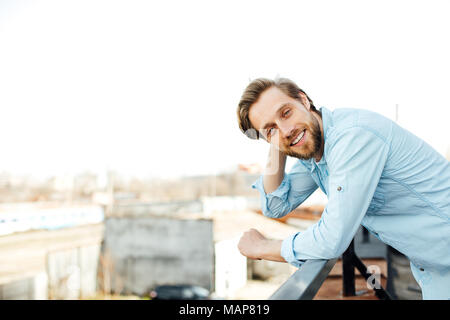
(254, 245)
(250, 244)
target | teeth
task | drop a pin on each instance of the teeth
(298, 138)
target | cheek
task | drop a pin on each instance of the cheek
(278, 142)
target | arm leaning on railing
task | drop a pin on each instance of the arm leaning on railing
(307, 280)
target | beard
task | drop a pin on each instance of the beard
(312, 147)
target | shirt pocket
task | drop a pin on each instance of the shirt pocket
(377, 202)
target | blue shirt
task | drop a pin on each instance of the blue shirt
(377, 174)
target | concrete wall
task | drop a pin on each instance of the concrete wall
(57, 264)
(150, 251)
(72, 274)
(31, 288)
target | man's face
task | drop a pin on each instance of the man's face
(287, 123)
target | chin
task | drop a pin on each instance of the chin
(305, 155)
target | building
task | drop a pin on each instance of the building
(49, 251)
(150, 246)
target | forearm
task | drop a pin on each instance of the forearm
(274, 171)
(271, 250)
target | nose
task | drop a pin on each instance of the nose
(286, 130)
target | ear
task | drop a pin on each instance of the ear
(304, 100)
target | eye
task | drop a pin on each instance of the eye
(286, 113)
(270, 132)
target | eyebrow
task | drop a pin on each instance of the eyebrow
(279, 109)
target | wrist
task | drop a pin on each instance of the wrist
(270, 249)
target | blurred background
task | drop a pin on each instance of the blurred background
(122, 166)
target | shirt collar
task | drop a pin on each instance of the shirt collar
(327, 120)
(327, 123)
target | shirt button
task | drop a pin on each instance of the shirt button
(339, 188)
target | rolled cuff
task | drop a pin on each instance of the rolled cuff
(287, 251)
(280, 192)
(274, 204)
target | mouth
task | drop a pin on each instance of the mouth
(299, 140)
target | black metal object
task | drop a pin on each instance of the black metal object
(305, 282)
(365, 233)
(350, 261)
(348, 271)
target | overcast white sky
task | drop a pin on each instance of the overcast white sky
(150, 88)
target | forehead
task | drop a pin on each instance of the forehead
(264, 110)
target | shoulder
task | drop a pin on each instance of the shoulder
(348, 121)
(356, 133)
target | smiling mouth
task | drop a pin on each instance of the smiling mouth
(299, 138)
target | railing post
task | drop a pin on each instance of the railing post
(348, 271)
(365, 234)
(350, 261)
(379, 290)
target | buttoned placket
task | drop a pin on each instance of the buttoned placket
(320, 171)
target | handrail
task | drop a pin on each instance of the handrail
(305, 282)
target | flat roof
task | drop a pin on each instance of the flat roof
(230, 224)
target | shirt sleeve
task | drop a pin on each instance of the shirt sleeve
(296, 187)
(356, 160)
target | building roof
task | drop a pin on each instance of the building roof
(231, 224)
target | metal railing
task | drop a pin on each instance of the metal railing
(305, 282)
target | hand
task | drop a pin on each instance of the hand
(255, 246)
(251, 243)
(274, 170)
(276, 155)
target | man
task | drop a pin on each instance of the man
(373, 172)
